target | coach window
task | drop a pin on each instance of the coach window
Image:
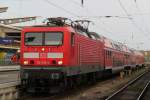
(72, 39)
(110, 54)
(106, 54)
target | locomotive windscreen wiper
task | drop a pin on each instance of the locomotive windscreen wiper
(33, 38)
(29, 39)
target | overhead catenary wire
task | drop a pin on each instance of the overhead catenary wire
(81, 4)
(75, 2)
(131, 19)
(61, 8)
(85, 7)
(91, 13)
(139, 10)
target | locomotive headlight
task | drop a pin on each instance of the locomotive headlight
(60, 62)
(25, 62)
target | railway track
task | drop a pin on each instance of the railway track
(145, 94)
(142, 96)
(69, 94)
(64, 95)
(58, 96)
(134, 90)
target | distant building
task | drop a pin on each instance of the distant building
(147, 57)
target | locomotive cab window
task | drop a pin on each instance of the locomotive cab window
(44, 38)
(33, 38)
(53, 38)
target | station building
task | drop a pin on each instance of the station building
(147, 57)
(10, 36)
(9, 43)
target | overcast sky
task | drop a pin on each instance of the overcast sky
(132, 27)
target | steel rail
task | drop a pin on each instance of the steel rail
(125, 86)
(143, 91)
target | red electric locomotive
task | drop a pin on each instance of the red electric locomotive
(61, 54)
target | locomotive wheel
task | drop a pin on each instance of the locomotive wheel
(79, 80)
(90, 78)
(94, 78)
(61, 87)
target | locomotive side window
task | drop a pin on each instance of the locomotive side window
(33, 39)
(53, 38)
(108, 54)
(72, 39)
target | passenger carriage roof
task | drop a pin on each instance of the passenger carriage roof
(115, 45)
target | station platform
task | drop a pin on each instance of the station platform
(10, 68)
(9, 80)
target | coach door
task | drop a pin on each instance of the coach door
(108, 59)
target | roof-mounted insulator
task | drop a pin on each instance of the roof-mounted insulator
(83, 25)
(57, 21)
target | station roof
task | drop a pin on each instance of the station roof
(3, 9)
(8, 28)
(9, 47)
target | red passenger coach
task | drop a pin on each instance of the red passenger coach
(59, 54)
